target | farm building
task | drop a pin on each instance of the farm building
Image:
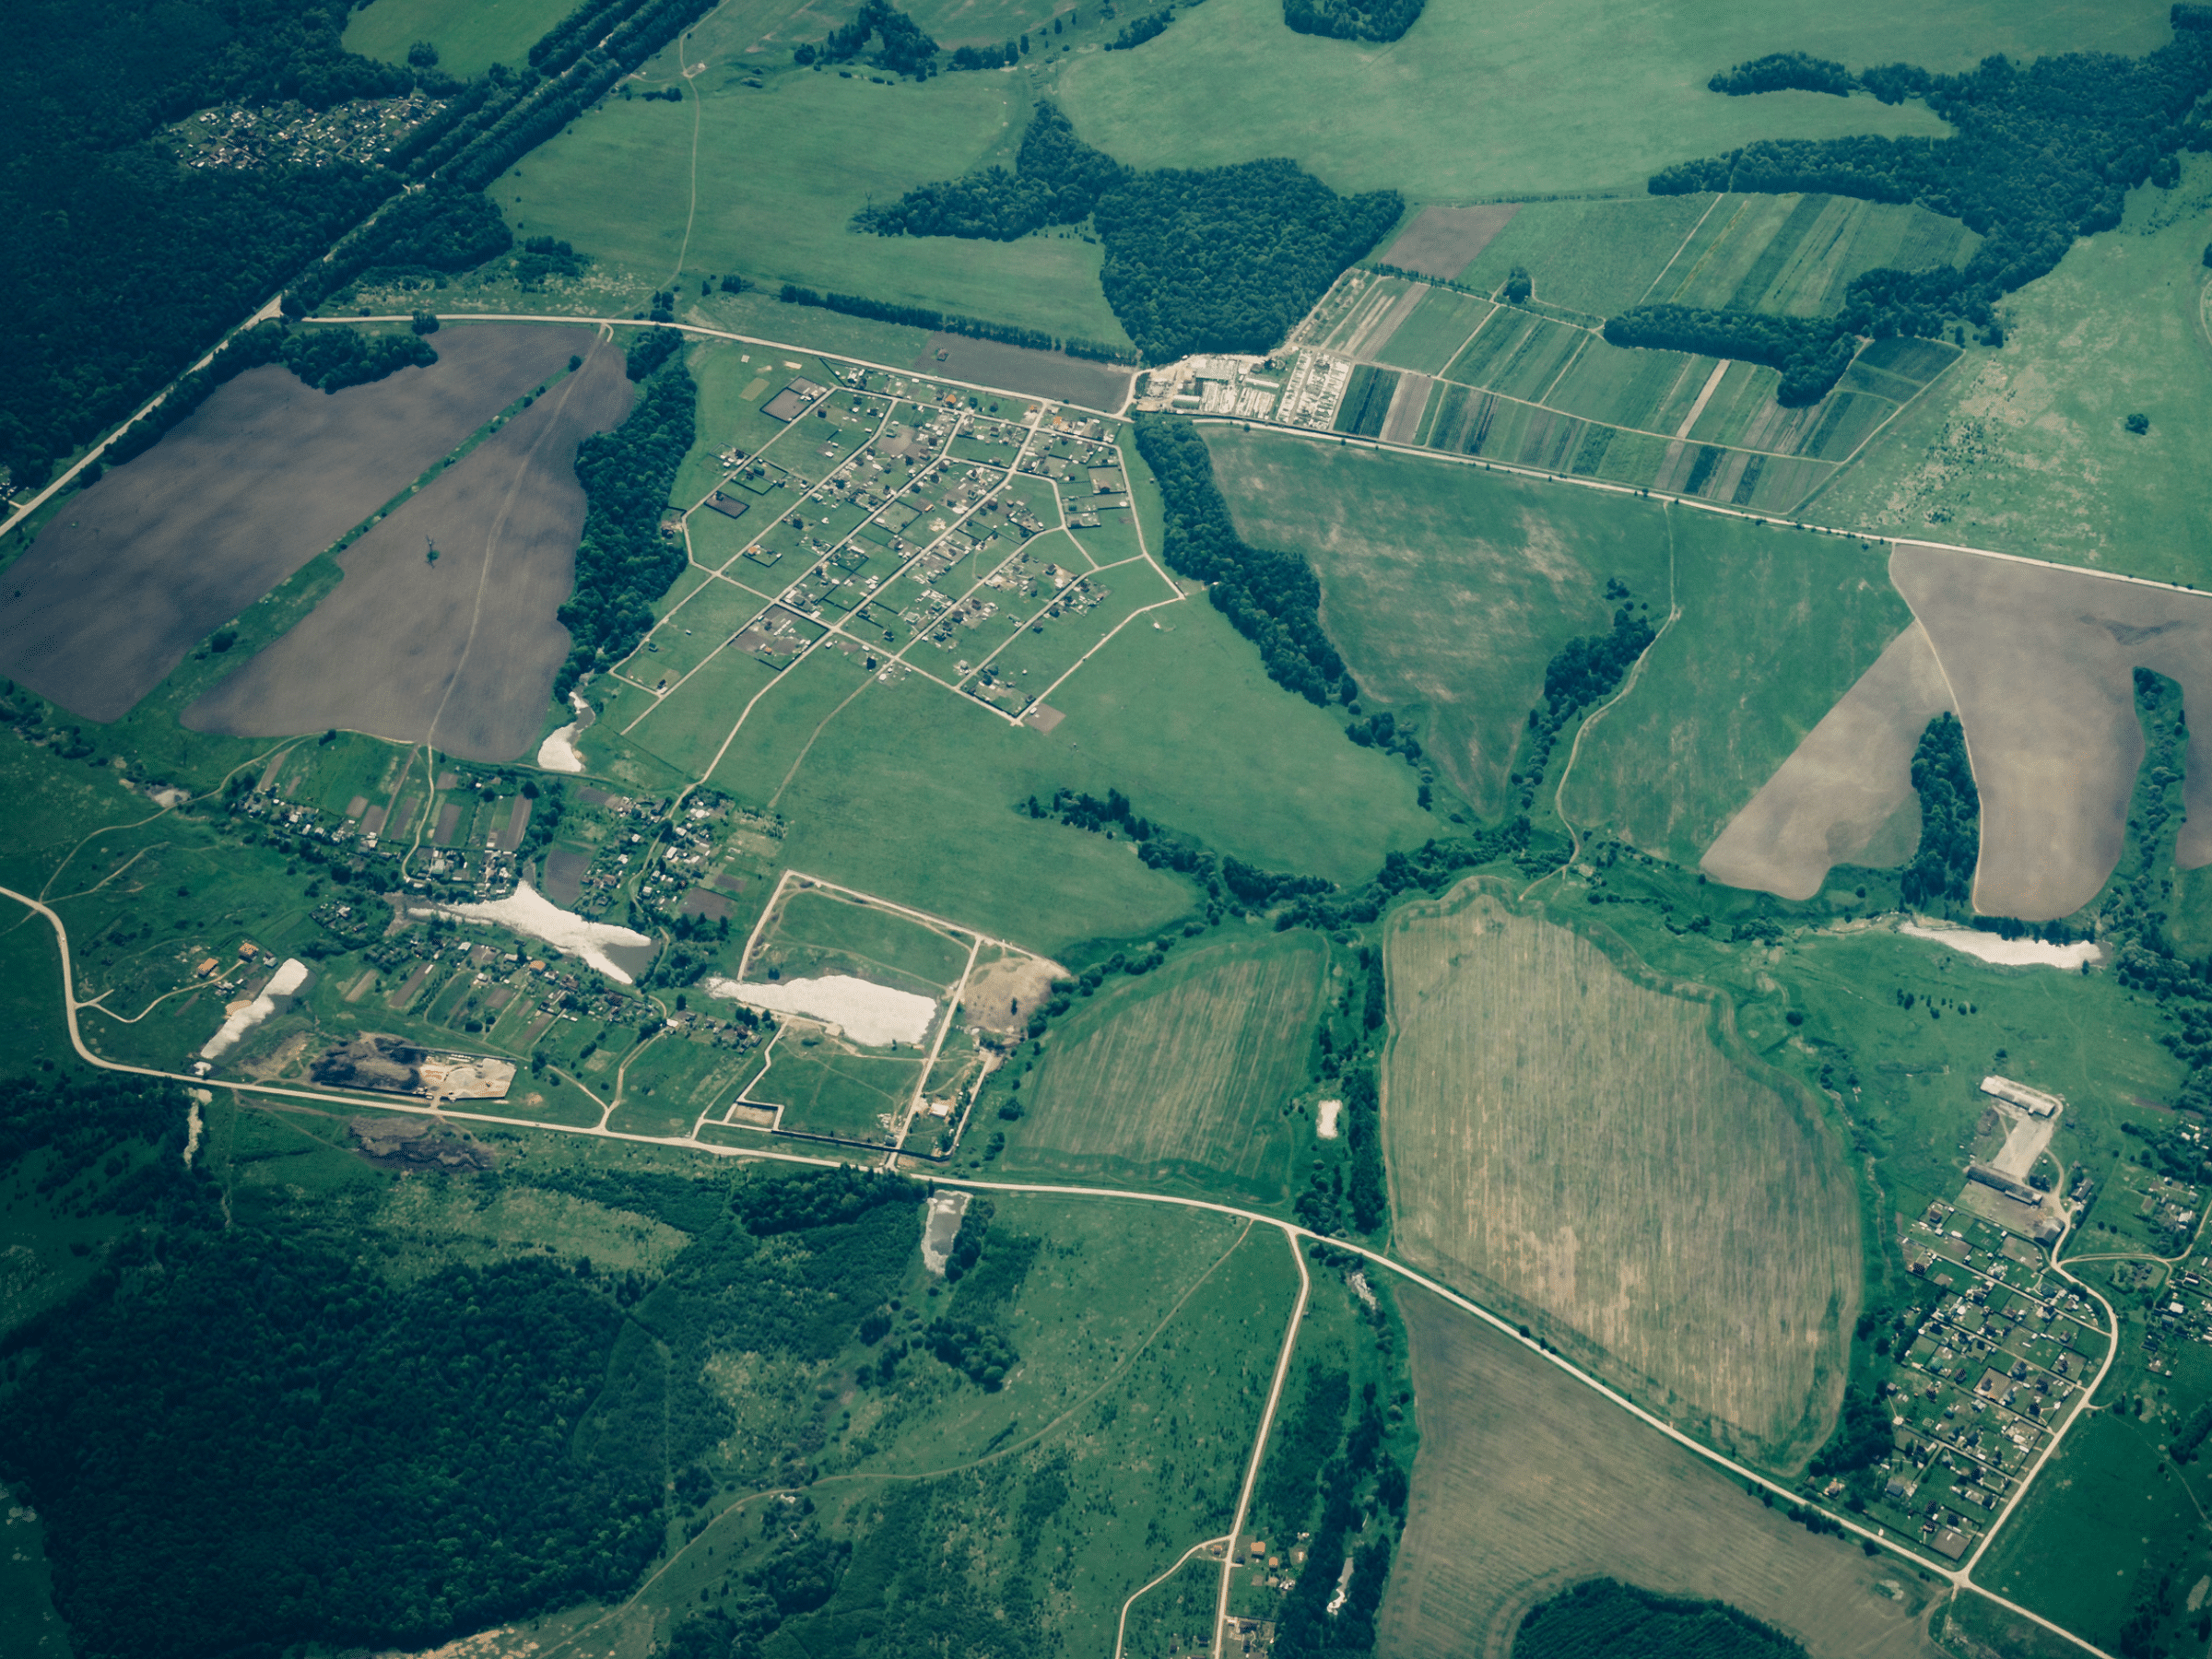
(2005, 1183)
(2033, 1101)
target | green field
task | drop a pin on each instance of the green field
(1431, 336)
(1579, 1145)
(1775, 626)
(2024, 449)
(1478, 102)
(469, 39)
(1180, 1077)
(1447, 588)
(2111, 1526)
(779, 171)
(1595, 257)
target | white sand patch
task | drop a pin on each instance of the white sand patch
(530, 912)
(2007, 953)
(867, 1013)
(1326, 1127)
(558, 752)
(244, 1016)
(192, 1132)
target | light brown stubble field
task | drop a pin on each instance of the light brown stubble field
(1573, 1145)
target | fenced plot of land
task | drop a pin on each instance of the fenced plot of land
(1446, 588)
(1562, 1138)
(1527, 1482)
(1180, 1073)
(458, 651)
(264, 476)
(2042, 662)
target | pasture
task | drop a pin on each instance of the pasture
(2042, 663)
(1526, 1482)
(1776, 626)
(1446, 588)
(2025, 450)
(1486, 102)
(264, 476)
(1567, 1139)
(459, 652)
(1180, 1076)
(780, 170)
(469, 39)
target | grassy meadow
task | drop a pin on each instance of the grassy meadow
(469, 39)
(1775, 626)
(1446, 588)
(1492, 102)
(1567, 1138)
(780, 169)
(2025, 450)
(1179, 1078)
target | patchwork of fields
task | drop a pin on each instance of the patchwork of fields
(1578, 1145)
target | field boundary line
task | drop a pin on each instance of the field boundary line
(1259, 1443)
(1713, 384)
(1574, 750)
(1684, 242)
(1291, 1231)
(1889, 421)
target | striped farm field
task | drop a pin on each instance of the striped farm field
(1179, 1075)
(1577, 1146)
(1431, 336)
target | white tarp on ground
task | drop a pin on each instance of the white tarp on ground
(530, 912)
(283, 982)
(2007, 953)
(866, 1012)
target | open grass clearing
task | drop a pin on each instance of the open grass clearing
(1565, 1137)
(1447, 588)
(1526, 1483)
(468, 39)
(264, 476)
(2025, 450)
(445, 629)
(815, 933)
(780, 171)
(1180, 1076)
(1776, 627)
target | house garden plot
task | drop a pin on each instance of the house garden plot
(1432, 335)
(788, 538)
(1113, 540)
(1375, 298)
(718, 543)
(1075, 621)
(1183, 1074)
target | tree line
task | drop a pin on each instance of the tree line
(1942, 870)
(1783, 71)
(1219, 259)
(1352, 19)
(937, 322)
(1811, 352)
(1604, 1615)
(1272, 598)
(2039, 156)
(624, 562)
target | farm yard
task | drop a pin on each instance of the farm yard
(1577, 1144)
(1521, 1488)
(1183, 1076)
(444, 631)
(265, 474)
